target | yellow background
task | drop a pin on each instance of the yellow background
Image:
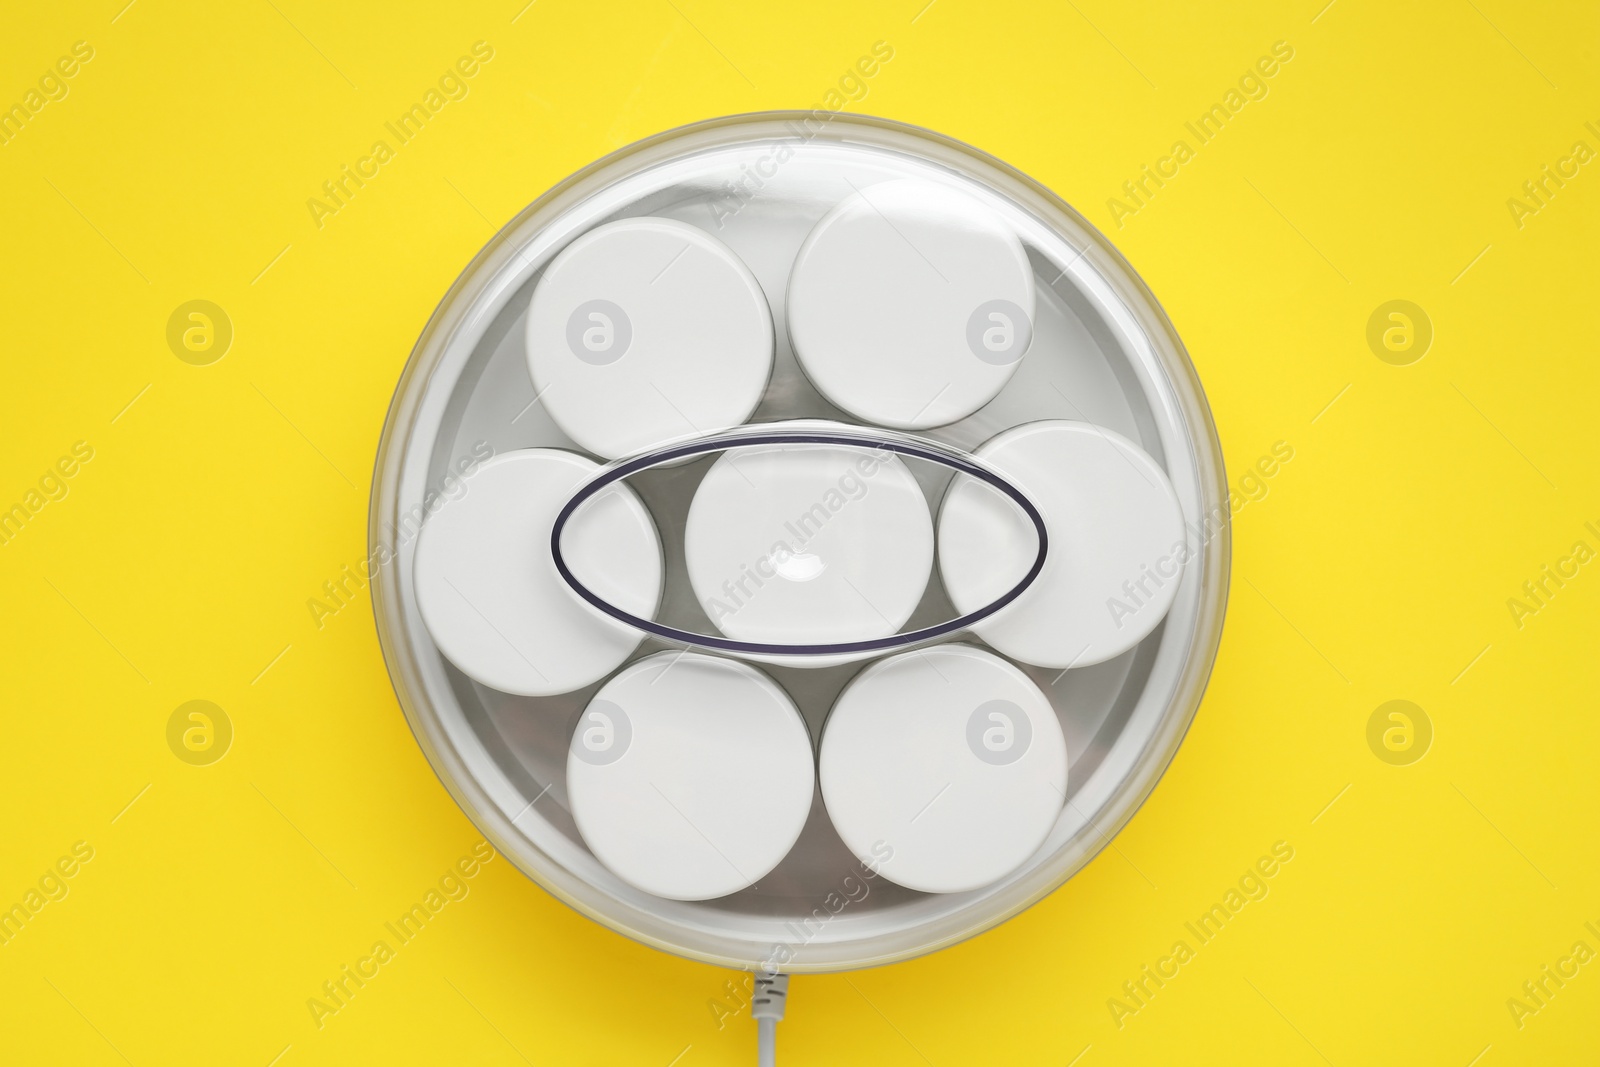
(1378, 567)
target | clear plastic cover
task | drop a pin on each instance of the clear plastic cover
(1072, 338)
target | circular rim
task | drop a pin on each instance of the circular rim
(726, 439)
(455, 315)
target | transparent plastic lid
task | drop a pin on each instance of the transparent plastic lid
(807, 542)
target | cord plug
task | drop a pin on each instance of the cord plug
(771, 996)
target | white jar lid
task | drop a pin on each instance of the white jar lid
(803, 544)
(944, 768)
(646, 330)
(911, 304)
(1116, 554)
(488, 590)
(690, 776)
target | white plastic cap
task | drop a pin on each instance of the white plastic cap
(911, 304)
(644, 331)
(943, 768)
(488, 589)
(690, 776)
(1117, 544)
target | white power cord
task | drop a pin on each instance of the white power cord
(766, 1007)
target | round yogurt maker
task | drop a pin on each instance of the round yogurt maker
(809, 541)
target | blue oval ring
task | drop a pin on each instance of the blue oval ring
(917, 448)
